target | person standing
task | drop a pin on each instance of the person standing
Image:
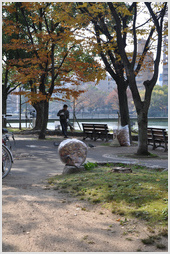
(64, 118)
(33, 116)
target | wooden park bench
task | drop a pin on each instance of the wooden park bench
(157, 137)
(95, 131)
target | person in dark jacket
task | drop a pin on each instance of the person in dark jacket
(64, 118)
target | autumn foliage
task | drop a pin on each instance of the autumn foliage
(45, 33)
(52, 56)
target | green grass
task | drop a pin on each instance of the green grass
(10, 129)
(142, 194)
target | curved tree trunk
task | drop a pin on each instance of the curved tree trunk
(39, 115)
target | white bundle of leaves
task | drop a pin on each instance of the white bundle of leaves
(123, 136)
(72, 152)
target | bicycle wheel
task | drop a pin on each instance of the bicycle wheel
(6, 161)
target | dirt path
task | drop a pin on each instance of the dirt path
(38, 219)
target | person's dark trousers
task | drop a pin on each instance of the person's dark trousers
(64, 127)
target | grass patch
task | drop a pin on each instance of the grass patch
(142, 194)
(90, 165)
(10, 129)
(149, 240)
(161, 246)
(105, 144)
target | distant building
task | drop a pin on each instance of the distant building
(106, 85)
(165, 63)
(165, 55)
(160, 79)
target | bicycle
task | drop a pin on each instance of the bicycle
(7, 157)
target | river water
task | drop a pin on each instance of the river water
(111, 125)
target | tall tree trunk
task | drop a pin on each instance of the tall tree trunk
(142, 113)
(142, 133)
(123, 104)
(45, 108)
(123, 107)
(142, 107)
(42, 109)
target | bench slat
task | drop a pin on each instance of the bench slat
(95, 131)
(157, 137)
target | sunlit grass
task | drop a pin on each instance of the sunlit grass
(142, 194)
(10, 129)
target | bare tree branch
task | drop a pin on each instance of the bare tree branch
(135, 38)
